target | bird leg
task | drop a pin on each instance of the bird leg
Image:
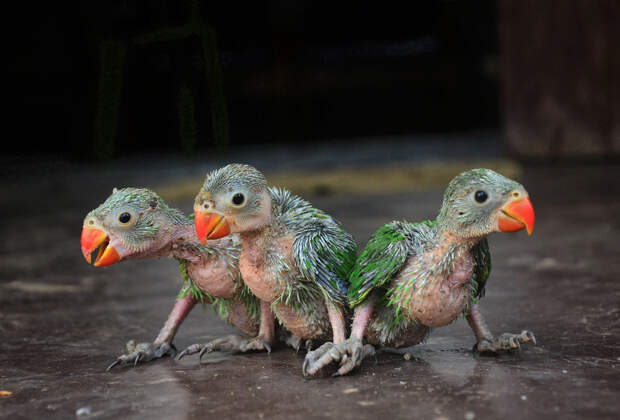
(487, 343)
(350, 352)
(239, 344)
(162, 346)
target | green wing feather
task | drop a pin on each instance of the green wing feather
(325, 254)
(323, 251)
(382, 258)
(482, 268)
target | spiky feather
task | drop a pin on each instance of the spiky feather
(324, 253)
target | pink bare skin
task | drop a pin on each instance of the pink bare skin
(211, 274)
(438, 305)
(267, 266)
(445, 299)
(258, 276)
(135, 223)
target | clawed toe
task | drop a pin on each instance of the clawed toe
(116, 362)
(505, 341)
(349, 355)
(143, 352)
(318, 358)
(232, 343)
(528, 336)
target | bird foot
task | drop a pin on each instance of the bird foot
(297, 343)
(505, 341)
(143, 352)
(350, 354)
(231, 343)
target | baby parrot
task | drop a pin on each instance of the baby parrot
(136, 223)
(294, 258)
(412, 277)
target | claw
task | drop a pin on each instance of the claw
(530, 335)
(183, 353)
(138, 357)
(205, 349)
(267, 347)
(505, 341)
(116, 362)
(349, 354)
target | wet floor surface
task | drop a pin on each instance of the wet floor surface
(62, 321)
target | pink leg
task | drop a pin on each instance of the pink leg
(489, 344)
(361, 318)
(478, 325)
(267, 330)
(336, 318)
(235, 343)
(181, 309)
(162, 346)
(349, 353)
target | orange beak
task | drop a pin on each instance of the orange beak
(210, 226)
(517, 215)
(96, 238)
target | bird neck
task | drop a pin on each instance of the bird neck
(180, 242)
(266, 229)
(448, 248)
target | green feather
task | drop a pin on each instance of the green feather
(382, 257)
(482, 269)
(190, 287)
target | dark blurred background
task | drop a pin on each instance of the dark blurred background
(103, 79)
(365, 109)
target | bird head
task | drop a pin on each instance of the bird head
(132, 222)
(234, 198)
(481, 201)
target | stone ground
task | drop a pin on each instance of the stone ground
(62, 321)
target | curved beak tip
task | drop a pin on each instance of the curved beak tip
(90, 240)
(210, 226)
(109, 257)
(517, 215)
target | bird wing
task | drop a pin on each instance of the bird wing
(482, 268)
(384, 255)
(323, 252)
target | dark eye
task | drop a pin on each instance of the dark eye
(238, 199)
(124, 217)
(481, 196)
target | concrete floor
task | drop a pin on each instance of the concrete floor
(62, 321)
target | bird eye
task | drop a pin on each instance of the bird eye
(481, 196)
(124, 218)
(238, 199)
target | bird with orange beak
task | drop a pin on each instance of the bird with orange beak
(412, 277)
(135, 223)
(295, 258)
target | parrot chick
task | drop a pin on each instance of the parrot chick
(294, 258)
(135, 223)
(412, 277)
